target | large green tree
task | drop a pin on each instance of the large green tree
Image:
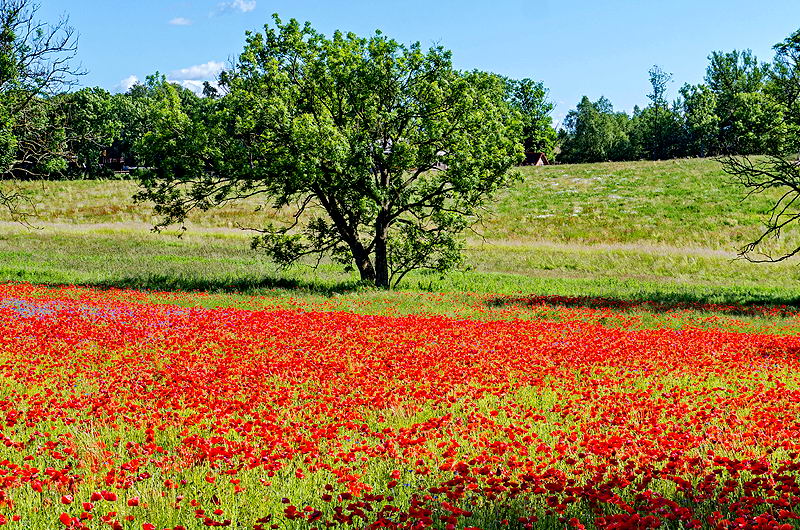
(593, 132)
(756, 125)
(388, 149)
(529, 97)
(132, 114)
(783, 85)
(91, 124)
(731, 77)
(700, 120)
(659, 134)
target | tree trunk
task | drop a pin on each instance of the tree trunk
(381, 254)
(381, 234)
(363, 263)
(349, 235)
(381, 263)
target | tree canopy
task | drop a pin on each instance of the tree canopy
(529, 97)
(385, 153)
(593, 132)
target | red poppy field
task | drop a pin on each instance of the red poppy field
(119, 412)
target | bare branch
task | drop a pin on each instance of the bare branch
(757, 175)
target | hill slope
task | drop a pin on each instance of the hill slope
(677, 202)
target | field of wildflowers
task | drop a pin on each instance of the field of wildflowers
(117, 411)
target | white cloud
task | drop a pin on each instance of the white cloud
(198, 72)
(127, 83)
(180, 21)
(232, 6)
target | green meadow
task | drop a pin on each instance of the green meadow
(666, 231)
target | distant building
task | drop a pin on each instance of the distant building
(112, 159)
(535, 158)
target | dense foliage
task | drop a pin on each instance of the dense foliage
(743, 107)
(529, 97)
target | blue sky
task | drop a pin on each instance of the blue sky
(579, 47)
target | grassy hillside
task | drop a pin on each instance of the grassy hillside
(659, 230)
(689, 203)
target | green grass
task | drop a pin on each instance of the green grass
(664, 231)
(687, 202)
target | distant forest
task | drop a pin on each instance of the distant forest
(743, 107)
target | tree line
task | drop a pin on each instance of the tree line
(743, 107)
